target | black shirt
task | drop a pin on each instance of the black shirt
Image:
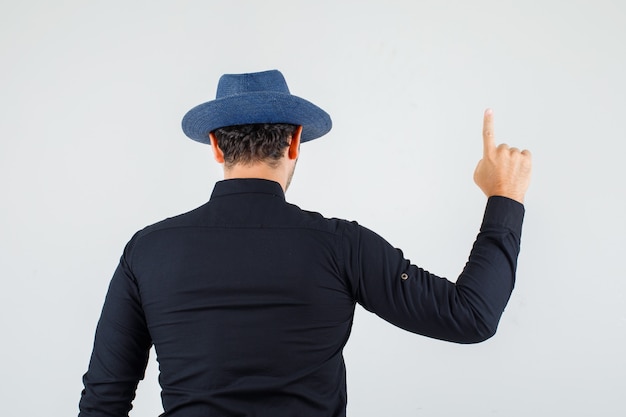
(249, 301)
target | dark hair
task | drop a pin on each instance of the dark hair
(245, 144)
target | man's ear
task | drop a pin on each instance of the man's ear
(218, 155)
(294, 145)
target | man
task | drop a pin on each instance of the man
(249, 300)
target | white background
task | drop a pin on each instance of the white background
(91, 150)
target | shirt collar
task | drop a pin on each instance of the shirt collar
(247, 186)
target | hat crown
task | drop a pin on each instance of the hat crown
(236, 84)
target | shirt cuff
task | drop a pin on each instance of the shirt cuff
(504, 212)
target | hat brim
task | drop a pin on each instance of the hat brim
(256, 107)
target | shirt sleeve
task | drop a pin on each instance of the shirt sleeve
(468, 311)
(120, 353)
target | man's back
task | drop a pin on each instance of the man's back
(245, 301)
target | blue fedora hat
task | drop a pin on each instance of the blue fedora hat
(259, 97)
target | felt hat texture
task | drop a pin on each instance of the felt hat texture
(258, 97)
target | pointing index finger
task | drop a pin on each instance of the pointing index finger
(489, 142)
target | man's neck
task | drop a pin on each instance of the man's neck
(258, 170)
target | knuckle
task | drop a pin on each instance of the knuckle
(503, 147)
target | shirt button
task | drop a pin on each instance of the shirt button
(404, 276)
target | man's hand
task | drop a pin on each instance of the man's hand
(503, 171)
